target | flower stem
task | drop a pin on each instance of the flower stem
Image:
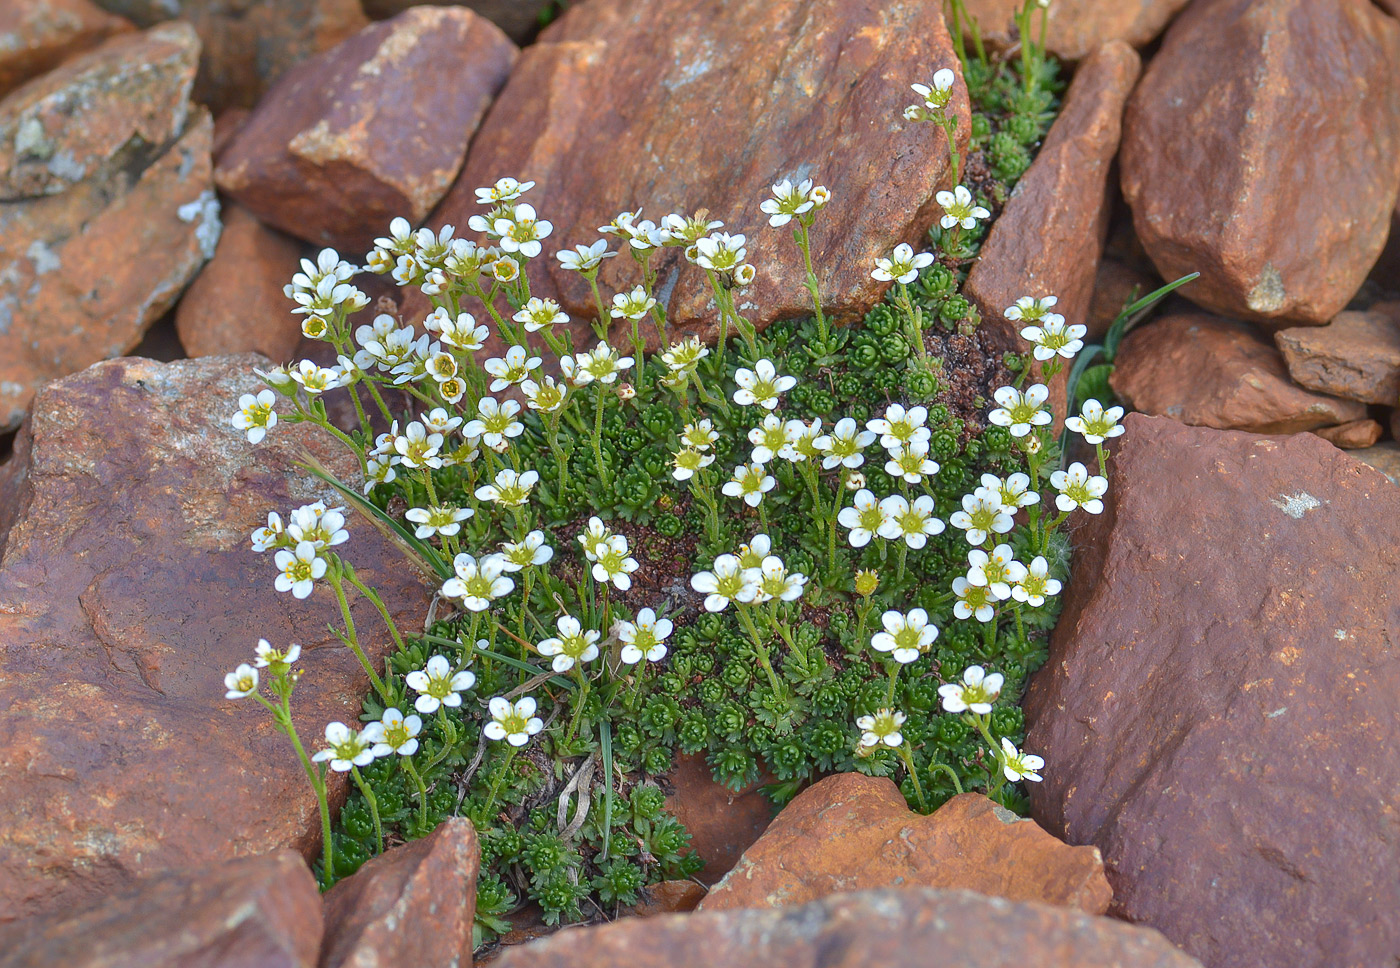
(496, 784)
(762, 649)
(578, 709)
(908, 758)
(598, 439)
(350, 638)
(804, 242)
(409, 768)
(373, 805)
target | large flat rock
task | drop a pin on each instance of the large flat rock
(127, 590)
(1221, 687)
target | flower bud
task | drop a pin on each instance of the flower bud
(867, 581)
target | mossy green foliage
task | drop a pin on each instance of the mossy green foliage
(709, 695)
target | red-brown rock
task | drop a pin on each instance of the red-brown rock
(248, 43)
(236, 303)
(127, 590)
(263, 911)
(1383, 457)
(914, 926)
(1219, 687)
(412, 905)
(372, 129)
(722, 823)
(1354, 435)
(669, 897)
(1214, 372)
(89, 268)
(1050, 235)
(520, 19)
(37, 35)
(1116, 284)
(852, 832)
(1356, 356)
(677, 106)
(1262, 149)
(1076, 28)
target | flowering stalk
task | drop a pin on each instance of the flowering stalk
(373, 805)
(598, 439)
(333, 576)
(908, 757)
(422, 787)
(496, 784)
(804, 242)
(762, 650)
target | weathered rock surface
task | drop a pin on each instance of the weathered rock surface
(37, 35)
(520, 19)
(1217, 688)
(886, 927)
(127, 590)
(1383, 457)
(1262, 149)
(412, 905)
(1075, 28)
(674, 106)
(92, 265)
(1212, 372)
(1354, 435)
(263, 911)
(852, 832)
(1116, 284)
(236, 303)
(722, 823)
(248, 43)
(60, 129)
(375, 128)
(1356, 356)
(669, 897)
(1050, 235)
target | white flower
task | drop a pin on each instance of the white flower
(865, 518)
(241, 682)
(400, 733)
(1019, 766)
(936, 97)
(689, 229)
(980, 516)
(602, 364)
(267, 537)
(441, 519)
(1021, 411)
(1094, 422)
(906, 636)
(902, 265)
(1079, 489)
(882, 727)
(646, 235)
(1053, 337)
(1029, 309)
(750, 482)
(761, 385)
(900, 427)
(530, 550)
(300, 569)
(347, 749)
(418, 448)
(573, 645)
(594, 538)
(973, 601)
(437, 685)
(751, 555)
(720, 252)
(513, 369)
(959, 209)
(255, 415)
(1013, 493)
(685, 356)
(644, 637)
(631, 305)
(911, 463)
(495, 423)
(522, 231)
(996, 572)
(538, 314)
(975, 693)
(687, 462)
(505, 190)
(802, 441)
(463, 333)
(912, 521)
(788, 200)
(1036, 585)
(545, 397)
(699, 435)
(842, 447)
(322, 526)
(513, 722)
(775, 581)
(585, 258)
(276, 659)
(478, 582)
(439, 421)
(727, 582)
(613, 564)
(770, 438)
(316, 379)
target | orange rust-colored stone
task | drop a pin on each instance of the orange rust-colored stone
(38, 35)
(1074, 29)
(852, 832)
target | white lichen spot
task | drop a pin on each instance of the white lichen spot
(45, 260)
(1276, 713)
(1268, 294)
(205, 209)
(1296, 505)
